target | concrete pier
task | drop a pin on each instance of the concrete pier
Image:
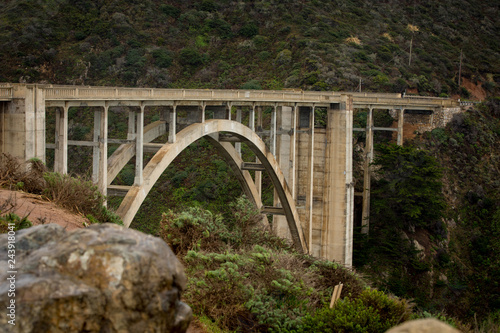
(23, 122)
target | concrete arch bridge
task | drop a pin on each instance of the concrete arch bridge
(308, 160)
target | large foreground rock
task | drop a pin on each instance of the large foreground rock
(429, 325)
(104, 278)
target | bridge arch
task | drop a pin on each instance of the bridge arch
(210, 129)
(121, 156)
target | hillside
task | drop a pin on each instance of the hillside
(313, 45)
(434, 219)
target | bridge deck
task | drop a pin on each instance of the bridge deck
(55, 95)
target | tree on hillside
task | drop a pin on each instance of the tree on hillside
(408, 193)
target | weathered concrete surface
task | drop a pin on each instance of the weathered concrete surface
(104, 278)
(125, 152)
(23, 123)
(429, 325)
(339, 188)
(162, 159)
(324, 183)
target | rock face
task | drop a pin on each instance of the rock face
(429, 325)
(104, 278)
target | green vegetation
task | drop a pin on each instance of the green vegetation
(470, 158)
(197, 177)
(372, 311)
(19, 223)
(243, 278)
(313, 45)
(79, 196)
(435, 222)
(408, 194)
(406, 201)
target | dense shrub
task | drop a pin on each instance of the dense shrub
(191, 57)
(79, 196)
(170, 10)
(245, 279)
(12, 222)
(220, 27)
(252, 84)
(26, 176)
(373, 311)
(249, 30)
(163, 58)
(408, 193)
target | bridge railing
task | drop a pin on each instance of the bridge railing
(53, 92)
(72, 92)
(5, 92)
(405, 101)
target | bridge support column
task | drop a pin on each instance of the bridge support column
(272, 144)
(237, 145)
(365, 222)
(310, 181)
(251, 118)
(293, 143)
(279, 224)
(95, 149)
(100, 155)
(139, 147)
(23, 123)
(203, 108)
(400, 126)
(284, 121)
(338, 183)
(131, 126)
(61, 152)
(258, 174)
(172, 126)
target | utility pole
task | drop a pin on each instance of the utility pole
(411, 44)
(359, 84)
(460, 69)
(413, 28)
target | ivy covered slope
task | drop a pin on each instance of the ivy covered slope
(318, 45)
(435, 218)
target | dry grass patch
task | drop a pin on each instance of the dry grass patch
(75, 194)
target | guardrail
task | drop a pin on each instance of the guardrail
(469, 103)
(58, 93)
(90, 93)
(5, 92)
(405, 101)
(71, 92)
